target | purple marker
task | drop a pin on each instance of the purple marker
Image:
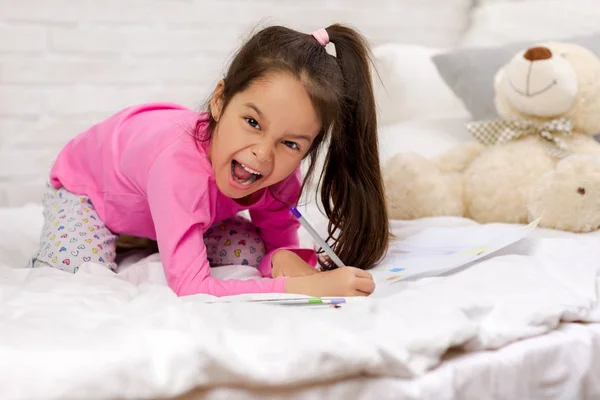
(317, 238)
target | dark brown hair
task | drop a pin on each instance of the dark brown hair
(340, 88)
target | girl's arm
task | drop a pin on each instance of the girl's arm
(278, 228)
(179, 202)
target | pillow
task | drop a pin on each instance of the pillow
(470, 72)
(407, 84)
(428, 137)
(496, 23)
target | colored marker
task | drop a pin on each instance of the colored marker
(316, 236)
(302, 301)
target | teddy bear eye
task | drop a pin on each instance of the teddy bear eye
(581, 190)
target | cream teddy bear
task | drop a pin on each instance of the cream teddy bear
(539, 160)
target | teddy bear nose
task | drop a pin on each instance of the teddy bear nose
(537, 53)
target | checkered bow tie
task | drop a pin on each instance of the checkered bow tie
(501, 131)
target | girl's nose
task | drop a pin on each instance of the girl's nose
(263, 152)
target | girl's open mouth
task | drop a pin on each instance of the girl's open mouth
(242, 174)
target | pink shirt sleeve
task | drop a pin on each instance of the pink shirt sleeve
(180, 205)
(278, 227)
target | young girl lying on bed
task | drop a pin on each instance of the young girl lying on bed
(180, 177)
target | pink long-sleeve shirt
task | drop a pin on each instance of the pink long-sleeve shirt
(147, 176)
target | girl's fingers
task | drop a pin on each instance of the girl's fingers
(365, 285)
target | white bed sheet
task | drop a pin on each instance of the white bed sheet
(128, 336)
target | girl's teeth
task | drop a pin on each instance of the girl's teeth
(250, 170)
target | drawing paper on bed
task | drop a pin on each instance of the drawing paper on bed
(435, 251)
(431, 252)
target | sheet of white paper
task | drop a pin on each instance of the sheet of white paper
(435, 251)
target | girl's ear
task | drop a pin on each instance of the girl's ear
(216, 100)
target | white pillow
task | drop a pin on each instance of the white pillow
(407, 84)
(497, 23)
(428, 137)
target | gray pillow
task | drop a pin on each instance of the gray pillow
(469, 72)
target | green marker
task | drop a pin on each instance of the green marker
(301, 301)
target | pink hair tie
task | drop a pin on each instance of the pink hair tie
(321, 36)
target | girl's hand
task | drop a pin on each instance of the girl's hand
(288, 263)
(343, 282)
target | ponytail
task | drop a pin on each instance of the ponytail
(352, 191)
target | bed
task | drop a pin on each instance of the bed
(523, 323)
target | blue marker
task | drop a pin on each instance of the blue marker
(317, 238)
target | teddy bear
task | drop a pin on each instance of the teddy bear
(539, 159)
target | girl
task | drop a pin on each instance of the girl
(170, 174)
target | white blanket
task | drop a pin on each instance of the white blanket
(129, 336)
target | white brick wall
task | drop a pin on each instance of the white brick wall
(64, 64)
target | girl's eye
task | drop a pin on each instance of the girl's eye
(252, 122)
(291, 145)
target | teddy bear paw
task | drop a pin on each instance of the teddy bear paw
(568, 198)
